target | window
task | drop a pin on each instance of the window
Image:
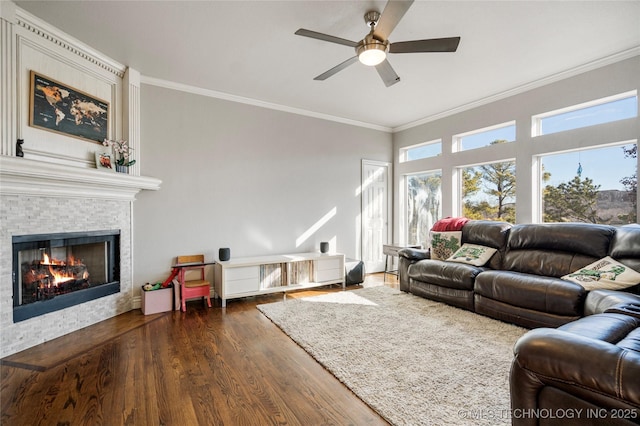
(424, 206)
(484, 137)
(489, 191)
(423, 150)
(604, 110)
(594, 186)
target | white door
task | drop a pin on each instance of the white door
(375, 213)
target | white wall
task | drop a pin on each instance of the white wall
(609, 80)
(244, 177)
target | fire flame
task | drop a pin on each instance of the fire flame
(60, 277)
(46, 260)
(64, 274)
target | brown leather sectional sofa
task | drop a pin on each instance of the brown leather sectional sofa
(581, 363)
(521, 283)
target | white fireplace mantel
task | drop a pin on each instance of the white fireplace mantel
(29, 177)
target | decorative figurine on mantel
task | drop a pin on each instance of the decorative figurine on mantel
(122, 153)
(19, 151)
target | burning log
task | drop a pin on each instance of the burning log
(48, 278)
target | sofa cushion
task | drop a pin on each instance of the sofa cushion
(609, 327)
(555, 249)
(445, 274)
(604, 274)
(488, 233)
(598, 301)
(625, 246)
(544, 294)
(451, 296)
(472, 254)
(449, 224)
(529, 318)
(444, 244)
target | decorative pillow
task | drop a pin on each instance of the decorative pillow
(444, 244)
(472, 254)
(605, 274)
(449, 224)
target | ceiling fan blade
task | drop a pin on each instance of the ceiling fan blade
(431, 45)
(325, 37)
(325, 75)
(387, 73)
(391, 15)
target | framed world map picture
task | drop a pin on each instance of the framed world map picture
(62, 109)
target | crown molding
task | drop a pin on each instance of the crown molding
(255, 102)
(52, 34)
(599, 63)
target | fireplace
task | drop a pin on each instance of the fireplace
(39, 197)
(56, 271)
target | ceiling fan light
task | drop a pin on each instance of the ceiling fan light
(372, 57)
(372, 53)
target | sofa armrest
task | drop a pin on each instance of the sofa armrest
(590, 369)
(406, 258)
(598, 301)
(414, 254)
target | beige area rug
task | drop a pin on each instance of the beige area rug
(414, 361)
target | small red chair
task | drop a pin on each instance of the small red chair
(190, 288)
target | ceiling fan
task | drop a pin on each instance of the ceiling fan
(373, 48)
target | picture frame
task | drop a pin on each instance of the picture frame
(60, 108)
(105, 161)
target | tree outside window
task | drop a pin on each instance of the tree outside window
(489, 191)
(597, 192)
(424, 205)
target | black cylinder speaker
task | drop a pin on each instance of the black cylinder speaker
(224, 254)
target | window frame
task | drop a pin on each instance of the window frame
(536, 120)
(537, 162)
(457, 138)
(405, 150)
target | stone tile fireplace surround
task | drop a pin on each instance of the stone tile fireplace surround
(38, 198)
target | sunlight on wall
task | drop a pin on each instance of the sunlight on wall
(314, 228)
(333, 244)
(374, 176)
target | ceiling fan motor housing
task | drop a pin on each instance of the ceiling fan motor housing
(371, 18)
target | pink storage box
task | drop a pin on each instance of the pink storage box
(155, 301)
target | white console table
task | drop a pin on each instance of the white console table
(251, 276)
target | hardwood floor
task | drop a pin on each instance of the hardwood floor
(215, 366)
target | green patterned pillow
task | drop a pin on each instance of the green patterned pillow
(604, 274)
(473, 254)
(444, 244)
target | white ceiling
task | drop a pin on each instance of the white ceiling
(248, 48)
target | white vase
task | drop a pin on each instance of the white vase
(122, 169)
